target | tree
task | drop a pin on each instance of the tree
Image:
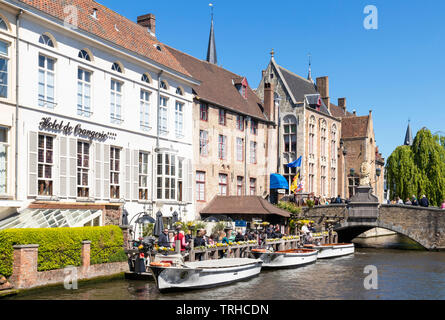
(418, 169)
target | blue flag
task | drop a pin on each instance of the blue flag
(296, 163)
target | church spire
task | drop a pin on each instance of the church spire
(408, 135)
(211, 50)
(309, 76)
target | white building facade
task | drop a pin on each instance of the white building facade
(100, 124)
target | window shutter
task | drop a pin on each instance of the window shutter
(127, 175)
(32, 163)
(98, 170)
(189, 181)
(72, 193)
(63, 171)
(106, 171)
(135, 180)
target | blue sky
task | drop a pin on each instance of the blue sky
(396, 70)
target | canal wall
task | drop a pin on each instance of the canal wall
(26, 276)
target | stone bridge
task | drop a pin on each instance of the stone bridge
(426, 226)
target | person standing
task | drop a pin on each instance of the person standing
(181, 237)
(424, 202)
(163, 240)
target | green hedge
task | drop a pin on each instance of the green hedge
(60, 247)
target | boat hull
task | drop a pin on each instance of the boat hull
(180, 278)
(287, 259)
(333, 250)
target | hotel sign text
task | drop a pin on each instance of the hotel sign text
(67, 129)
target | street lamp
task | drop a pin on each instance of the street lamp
(378, 172)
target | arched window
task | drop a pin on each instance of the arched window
(47, 40)
(84, 54)
(179, 91)
(3, 24)
(146, 78)
(164, 85)
(323, 139)
(290, 133)
(333, 143)
(117, 67)
(311, 134)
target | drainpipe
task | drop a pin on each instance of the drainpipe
(17, 101)
(159, 105)
(155, 155)
(245, 155)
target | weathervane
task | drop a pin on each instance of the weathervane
(211, 6)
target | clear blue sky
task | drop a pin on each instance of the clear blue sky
(396, 70)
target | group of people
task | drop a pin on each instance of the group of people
(423, 202)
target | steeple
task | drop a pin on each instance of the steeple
(211, 50)
(309, 76)
(408, 136)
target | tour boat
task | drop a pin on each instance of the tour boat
(203, 274)
(287, 258)
(332, 250)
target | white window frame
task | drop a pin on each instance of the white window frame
(239, 149)
(253, 150)
(200, 185)
(115, 104)
(115, 174)
(5, 57)
(5, 146)
(222, 147)
(45, 100)
(144, 112)
(203, 143)
(82, 86)
(83, 170)
(179, 119)
(239, 187)
(44, 164)
(144, 176)
(163, 115)
(222, 184)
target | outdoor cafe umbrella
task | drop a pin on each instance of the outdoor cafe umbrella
(159, 225)
(174, 218)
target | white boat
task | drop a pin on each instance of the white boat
(287, 258)
(203, 274)
(332, 250)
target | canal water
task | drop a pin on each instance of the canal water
(403, 272)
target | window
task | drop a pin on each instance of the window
(290, 134)
(253, 152)
(144, 112)
(116, 67)
(143, 176)
(239, 186)
(180, 178)
(222, 117)
(179, 91)
(311, 135)
(333, 181)
(289, 174)
(114, 173)
(164, 85)
(203, 143)
(179, 117)
(116, 102)
(3, 25)
(252, 186)
(46, 40)
(323, 180)
(222, 184)
(311, 177)
(4, 69)
(166, 176)
(163, 111)
(200, 185)
(334, 143)
(83, 92)
(222, 147)
(203, 112)
(254, 127)
(4, 146)
(353, 183)
(83, 164)
(146, 78)
(45, 166)
(239, 149)
(323, 140)
(83, 54)
(240, 122)
(46, 82)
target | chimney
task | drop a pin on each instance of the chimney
(269, 106)
(323, 89)
(342, 104)
(148, 21)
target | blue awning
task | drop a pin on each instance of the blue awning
(277, 181)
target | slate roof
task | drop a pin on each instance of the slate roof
(354, 127)
(130, 36)
(218, 86)
(242, 205)
(339, 112)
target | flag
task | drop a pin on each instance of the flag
(296, 163)
(294, 185)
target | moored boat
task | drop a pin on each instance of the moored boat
(203, 274)
(287, 258)
(332, 250)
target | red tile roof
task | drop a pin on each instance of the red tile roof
(218, 86)
(338, 112)
(242, 205)
(130, 36)
(354, 127)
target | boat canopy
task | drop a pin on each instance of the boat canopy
(277, 181)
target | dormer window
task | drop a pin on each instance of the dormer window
(83, 54)
(3, 25)
(117, 67)
(241, 85)
(46, 40)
